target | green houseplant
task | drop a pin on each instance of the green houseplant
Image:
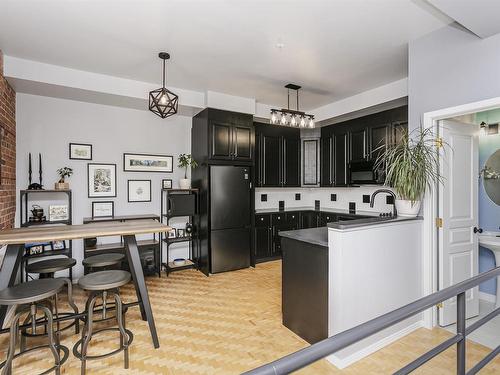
(186, 161)
(63, 173)
(411, 166)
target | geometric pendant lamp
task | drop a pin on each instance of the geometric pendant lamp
(162, 101)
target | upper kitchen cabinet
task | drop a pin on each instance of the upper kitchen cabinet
(225, 136)
(277, 157)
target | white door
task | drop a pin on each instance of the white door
(458, 202)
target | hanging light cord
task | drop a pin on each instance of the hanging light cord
(163, 73)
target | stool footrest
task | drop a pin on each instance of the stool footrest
(78, 344)
(60, 348)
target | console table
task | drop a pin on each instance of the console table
(16, 238)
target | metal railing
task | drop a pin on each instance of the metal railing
(331, 345)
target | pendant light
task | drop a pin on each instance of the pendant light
(163, 102)
(292, 117)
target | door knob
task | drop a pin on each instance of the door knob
(478, 230)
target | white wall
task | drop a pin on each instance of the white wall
(48, 125)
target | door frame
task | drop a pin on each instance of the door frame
(430, 206)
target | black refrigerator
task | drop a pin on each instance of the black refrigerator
(230, 217)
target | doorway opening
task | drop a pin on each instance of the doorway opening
(468, 206)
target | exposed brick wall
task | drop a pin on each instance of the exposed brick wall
(7, 151)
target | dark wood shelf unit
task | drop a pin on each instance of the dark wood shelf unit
(194, 220)
(24, 199)
(149, 245)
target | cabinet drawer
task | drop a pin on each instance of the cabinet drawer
(292, 219)
(278, 219)
(328, 218)
(262, 220)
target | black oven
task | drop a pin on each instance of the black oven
(364, 172)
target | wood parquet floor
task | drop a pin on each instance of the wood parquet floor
(226, 324)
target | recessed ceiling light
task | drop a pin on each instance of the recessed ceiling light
(280, 45)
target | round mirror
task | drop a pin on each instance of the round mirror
(491, 177)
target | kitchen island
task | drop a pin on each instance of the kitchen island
(342, 275)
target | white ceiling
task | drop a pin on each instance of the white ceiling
(333, 48)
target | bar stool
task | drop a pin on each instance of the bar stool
(103, 260)
(100, 284)
(32, 293)
(46, 269)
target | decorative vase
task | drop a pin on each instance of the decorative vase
(185, 183)
(61, 186)
(407, 208)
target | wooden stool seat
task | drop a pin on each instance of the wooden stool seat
(103, 260)
(50, 265)
(31, 291)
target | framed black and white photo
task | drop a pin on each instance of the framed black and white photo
(172, 233)
(139, 190)
(166, 183)
(101, 180)
(103, 209)
(58, 245)
(80, 151)
(58, 212)
(148, 163)
(181, 233)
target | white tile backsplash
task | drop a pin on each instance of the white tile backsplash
(309, 195)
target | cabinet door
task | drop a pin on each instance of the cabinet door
(291, 162)
(326, 218)
(398, 130)
(293, 220)
(271, 148)
(262, 242)
(357, 147)
(258, 159)
(340, 158)
(242, 143)
(326, 162)
(221, 142)
(379, 136)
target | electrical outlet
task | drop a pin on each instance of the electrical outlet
(389, 199)
(366, 198)
(333, 197)
(297, 196)
(316, 204)
(281, 205)
(263, 197)
(352, 206)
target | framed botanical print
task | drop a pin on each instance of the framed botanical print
(80, 151)
(166, 183)
(101, 180)
(147, 163)
(103, 209)
(139, 190)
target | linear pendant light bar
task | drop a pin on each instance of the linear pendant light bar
(292, 117)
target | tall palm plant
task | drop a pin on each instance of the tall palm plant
(411, 165)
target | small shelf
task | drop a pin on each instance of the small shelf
(119, 246)
(35, 223)
(171, 267)
(45, 191)
(179, 239)
(48, 253)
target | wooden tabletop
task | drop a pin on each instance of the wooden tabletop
(73, 232)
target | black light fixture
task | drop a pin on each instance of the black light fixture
(163, 102)
(291, 117)
(482, 128)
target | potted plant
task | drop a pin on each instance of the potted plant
(186, 161)
(411, 167)
(63, 173)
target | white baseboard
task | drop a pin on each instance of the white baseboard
(488, 297)
(344, 362)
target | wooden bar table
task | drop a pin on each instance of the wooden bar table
(16, 238)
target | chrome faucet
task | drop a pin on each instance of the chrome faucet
(390, 192)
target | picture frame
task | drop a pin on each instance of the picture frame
(166, 183)
(101, 180)
(172, 233)
(103, 209)
(139, 190)
(80, 151)
(148, 163)
(58, 245)
(36, 248)
(181, 233)
(58, 212)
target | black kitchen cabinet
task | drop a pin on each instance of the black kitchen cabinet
(358, 145)
(326, 161)
(263, 237)
(340, 160)
(277, 156)
(223, 136)
(325, 218)
(379, 139)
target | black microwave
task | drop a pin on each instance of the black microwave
(364, 172)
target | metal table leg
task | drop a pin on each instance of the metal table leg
(8, 272)
(134, 263)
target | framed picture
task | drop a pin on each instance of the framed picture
(80, 151)
(181, 233)
(172, 233)
(147, 163)
(103, 209)
(35, 248)
(139, 190)
(58, 245)
(166, 183)
(58, 212)
(101, 180)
